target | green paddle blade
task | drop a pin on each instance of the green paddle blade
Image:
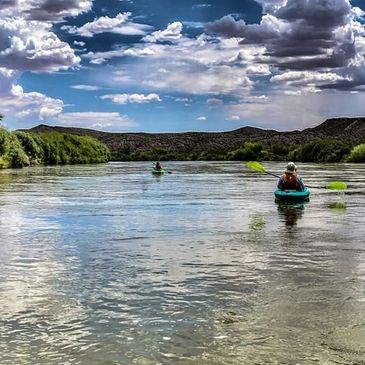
(337, 185)
(254, 165)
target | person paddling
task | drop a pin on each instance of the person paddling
(291, 180)
(158, 166)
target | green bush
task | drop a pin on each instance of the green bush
(250, 151)
(357, 154)
(11, 151)
(19, 149)
(61, 148)
(320, 151)
(32, 146)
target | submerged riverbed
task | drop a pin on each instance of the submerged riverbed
(107, 264)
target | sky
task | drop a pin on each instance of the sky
(181, 65)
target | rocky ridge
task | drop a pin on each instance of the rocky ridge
(342, 129)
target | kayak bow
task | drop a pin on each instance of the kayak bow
(292, 195)
(158, 172)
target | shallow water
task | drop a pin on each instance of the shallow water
(110, 265)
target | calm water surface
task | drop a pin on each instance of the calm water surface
(110, 265)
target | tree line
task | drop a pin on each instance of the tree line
(19, 149)
(326, 150)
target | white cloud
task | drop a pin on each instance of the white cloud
(32, 106)
(132, 98)
(98, 61)
(194, 25)
(172, 33)
(233, 117)
(214, 101)
(96, 120)
(120, 25)
(102, 57)
(305, 77)
(85, 87)
(45, 10)
(203, 5)
(257, 69)
(79, 43)
(139, 52)
(299, 111)
(201, 118)
(30, 45)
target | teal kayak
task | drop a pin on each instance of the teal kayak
(158, 172)
(292, 195)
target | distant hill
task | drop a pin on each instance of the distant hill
(342, 129)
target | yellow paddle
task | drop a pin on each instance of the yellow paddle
(333, 185)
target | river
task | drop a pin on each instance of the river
(109, 265)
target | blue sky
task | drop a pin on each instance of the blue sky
(163, 65)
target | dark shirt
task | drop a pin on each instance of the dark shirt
(283, 185)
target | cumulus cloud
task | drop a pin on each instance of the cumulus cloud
(31, 45)
(271, 5)
(262, 70)
(96, 120)
(45, 10)
(201, 118)
(193, 66)
(132, 98)
(302, 35)
(32, 106)
(27, 43)
(171, 34)
(119, 25)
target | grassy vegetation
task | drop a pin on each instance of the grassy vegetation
(19, 149)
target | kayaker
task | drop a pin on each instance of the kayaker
(291, 180)
(158, 166)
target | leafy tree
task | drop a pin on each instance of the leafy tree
(250, 151)
(357, 154)
(320, 151)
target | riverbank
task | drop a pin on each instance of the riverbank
(331, 141)
(19, 149)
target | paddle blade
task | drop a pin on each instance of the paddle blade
(337, 185)
(256, 166)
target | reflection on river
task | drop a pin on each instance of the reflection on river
(110, 265)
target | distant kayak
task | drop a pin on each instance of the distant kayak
(292, 195)
(158, 172)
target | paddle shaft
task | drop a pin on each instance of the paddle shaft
(254, 165)
(308, 186)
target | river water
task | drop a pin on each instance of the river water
(107, 264)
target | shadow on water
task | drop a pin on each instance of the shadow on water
(289, 213)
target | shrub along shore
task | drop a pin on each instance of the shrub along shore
(19, 149)
(316, 151)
